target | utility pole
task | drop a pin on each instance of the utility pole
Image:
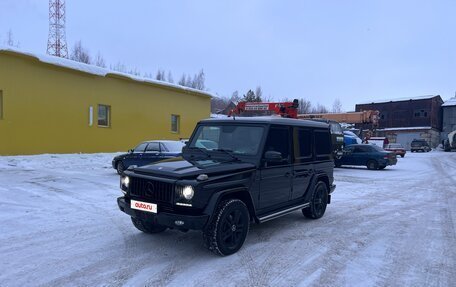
(57, 45)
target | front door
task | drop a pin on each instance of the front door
(276, 177)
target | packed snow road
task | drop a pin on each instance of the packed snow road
(60, 226)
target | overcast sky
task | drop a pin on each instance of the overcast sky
(320, 50)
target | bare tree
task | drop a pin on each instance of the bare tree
(80, 54)
(319, 109)
(259, 93)
(337, 106)
(100, 61)
(235, 97)
(305, 106)
(160, 76)
(170, 77)
(182, 80)
(119, 67)
(198, 81)
(219, 103)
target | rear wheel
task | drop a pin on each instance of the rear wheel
(228, 229)
(318, 202)
(372, 164)
(147, 227)
(120, 167)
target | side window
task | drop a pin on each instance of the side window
(279, 140)
(322, 144)
(140, 147)
(175, 123)
(153, 147)
(360, 149)
(303, 144)
(104, 116)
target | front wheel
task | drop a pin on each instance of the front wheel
(147, 227)
(318, 202)
(120, 167)
(228, 229)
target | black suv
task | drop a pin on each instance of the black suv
(419, 145)
(257, 169)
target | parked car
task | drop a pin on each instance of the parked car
(397, 148)
(262, 168)
(372, 156)
(146, 153)
(419, 145)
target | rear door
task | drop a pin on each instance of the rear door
(276, 178)
(152, 153)
(303, 160)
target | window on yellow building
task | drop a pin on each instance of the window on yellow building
(1, 104)
(104, 116)
(175, 119)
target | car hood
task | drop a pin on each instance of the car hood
(180, 168)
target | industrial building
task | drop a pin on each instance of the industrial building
(449, 117)
(54, 105)
(405, 119)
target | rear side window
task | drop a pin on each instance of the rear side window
(153, 147)
(303, 144)
(322, 144)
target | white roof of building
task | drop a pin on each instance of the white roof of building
(450, 102)
(95, 70)
(400, 99)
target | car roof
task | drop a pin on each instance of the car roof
(267, 120)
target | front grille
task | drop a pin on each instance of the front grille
(155, 191)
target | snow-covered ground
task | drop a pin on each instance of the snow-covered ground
(60, 226)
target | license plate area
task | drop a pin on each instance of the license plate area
(143, 206)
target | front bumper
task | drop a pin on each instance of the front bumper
(196, 222)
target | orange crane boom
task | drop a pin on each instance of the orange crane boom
(364, 117)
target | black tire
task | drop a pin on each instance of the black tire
(381, 167)
(337, 164)
(372, 164)
(318, 202)
(402, 155)
(228, 228)
(147, 227)
(120, 167)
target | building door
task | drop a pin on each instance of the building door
(406, 138)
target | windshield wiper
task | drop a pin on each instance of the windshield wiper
(228, 152)
(201, 150)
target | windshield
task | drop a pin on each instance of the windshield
(376, 147)
(174, 146)
(243, 140)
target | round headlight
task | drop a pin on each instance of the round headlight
(188, 192)
(125, 180)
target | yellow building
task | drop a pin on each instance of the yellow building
(54, 105)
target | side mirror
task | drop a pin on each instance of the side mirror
(130, 151)
(273, 156)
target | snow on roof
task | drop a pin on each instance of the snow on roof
(400, 99)
(95, 70)
(450, 102)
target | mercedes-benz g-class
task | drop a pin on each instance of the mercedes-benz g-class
(248, 170)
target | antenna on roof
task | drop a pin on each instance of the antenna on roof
(57, 45)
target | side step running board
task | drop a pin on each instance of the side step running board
(282, 212)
